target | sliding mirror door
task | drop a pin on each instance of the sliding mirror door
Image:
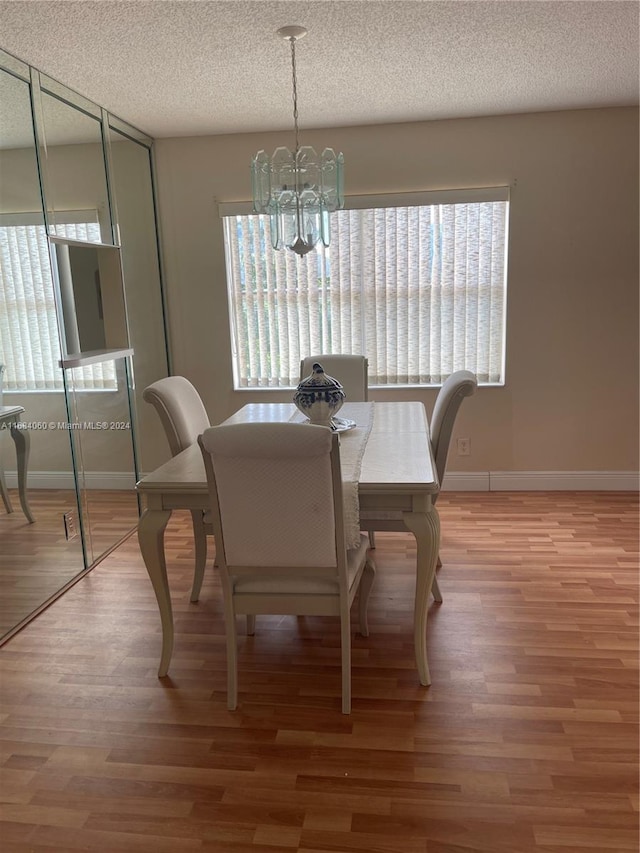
(82, 332)
(131, 178)
(73, 163)
(40, 558)
(88, 273)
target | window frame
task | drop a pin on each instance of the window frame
(375, 201)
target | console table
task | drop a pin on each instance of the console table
(10, 417)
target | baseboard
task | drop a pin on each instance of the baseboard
(552, 481)
(469, 481)
(107, 480)
(455, 481)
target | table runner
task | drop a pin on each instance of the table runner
(352, 446)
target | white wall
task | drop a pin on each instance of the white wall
(571, 397)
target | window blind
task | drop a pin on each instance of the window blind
(420, 289)
(29, 342)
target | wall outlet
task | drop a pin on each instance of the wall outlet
(464, 447)
(70, 526)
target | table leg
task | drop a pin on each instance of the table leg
(6, 500)
(425, 526)
(22, 442)
(151, 539)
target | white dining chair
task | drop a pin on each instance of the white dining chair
(445, 411)
(455, 388)
(351, 371)
(184, 418)
(276, 505)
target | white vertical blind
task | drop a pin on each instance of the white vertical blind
(29, 343)
(419, 290)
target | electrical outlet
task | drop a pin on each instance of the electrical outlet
(70, 527)
(464, 447)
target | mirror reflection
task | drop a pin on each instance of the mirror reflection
(89, 283)
(101, 435)
(67, 291)
(131, 180)
(36, 559)
(76, 186)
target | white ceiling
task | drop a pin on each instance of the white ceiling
(193, 67)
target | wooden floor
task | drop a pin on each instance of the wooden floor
(525, 741)
(36, 560)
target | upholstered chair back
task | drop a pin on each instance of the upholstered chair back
(458, 386)
(351, 371)
(275, 494)
(181, 411)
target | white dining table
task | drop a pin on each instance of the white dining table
(397, 480)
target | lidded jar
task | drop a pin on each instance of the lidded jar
(319, 396)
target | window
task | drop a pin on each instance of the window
(419, 287)
(29, 341)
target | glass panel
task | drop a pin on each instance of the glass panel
(18, 166)
(36, 559)
(102, 438)
(133, 190)
(74, 165)
(89, 282)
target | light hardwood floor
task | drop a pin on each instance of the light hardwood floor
(526, 740)
(36, 560)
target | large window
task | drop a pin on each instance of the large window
(419, 288)
(29, 342)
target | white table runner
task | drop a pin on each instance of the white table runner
(352, 446)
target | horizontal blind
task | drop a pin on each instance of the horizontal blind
(418, 289)
(29, 342)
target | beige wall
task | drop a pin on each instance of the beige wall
(570, 402)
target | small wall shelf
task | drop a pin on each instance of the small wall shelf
(81, 359)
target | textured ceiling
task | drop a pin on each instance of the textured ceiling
(181, 68)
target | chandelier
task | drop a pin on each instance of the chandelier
(297, 189)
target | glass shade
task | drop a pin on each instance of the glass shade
(298, 190)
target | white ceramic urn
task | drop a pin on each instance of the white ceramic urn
(319, 396)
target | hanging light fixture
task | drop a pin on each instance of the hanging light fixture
(297, 189)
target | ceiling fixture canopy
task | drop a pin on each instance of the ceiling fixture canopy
(297, 189)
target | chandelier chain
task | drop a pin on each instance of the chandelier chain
(295, 91)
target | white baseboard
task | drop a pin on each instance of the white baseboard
(552, 481)
(108, 480)
(455, 481)
(469, 481)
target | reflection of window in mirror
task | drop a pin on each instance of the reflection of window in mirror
(29, 345)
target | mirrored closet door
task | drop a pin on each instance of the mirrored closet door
(82, 332)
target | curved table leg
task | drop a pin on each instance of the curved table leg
(151, 538)
(435, 589)
(425, 526)
(4, 494)
(200, 540)
(22, 441)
